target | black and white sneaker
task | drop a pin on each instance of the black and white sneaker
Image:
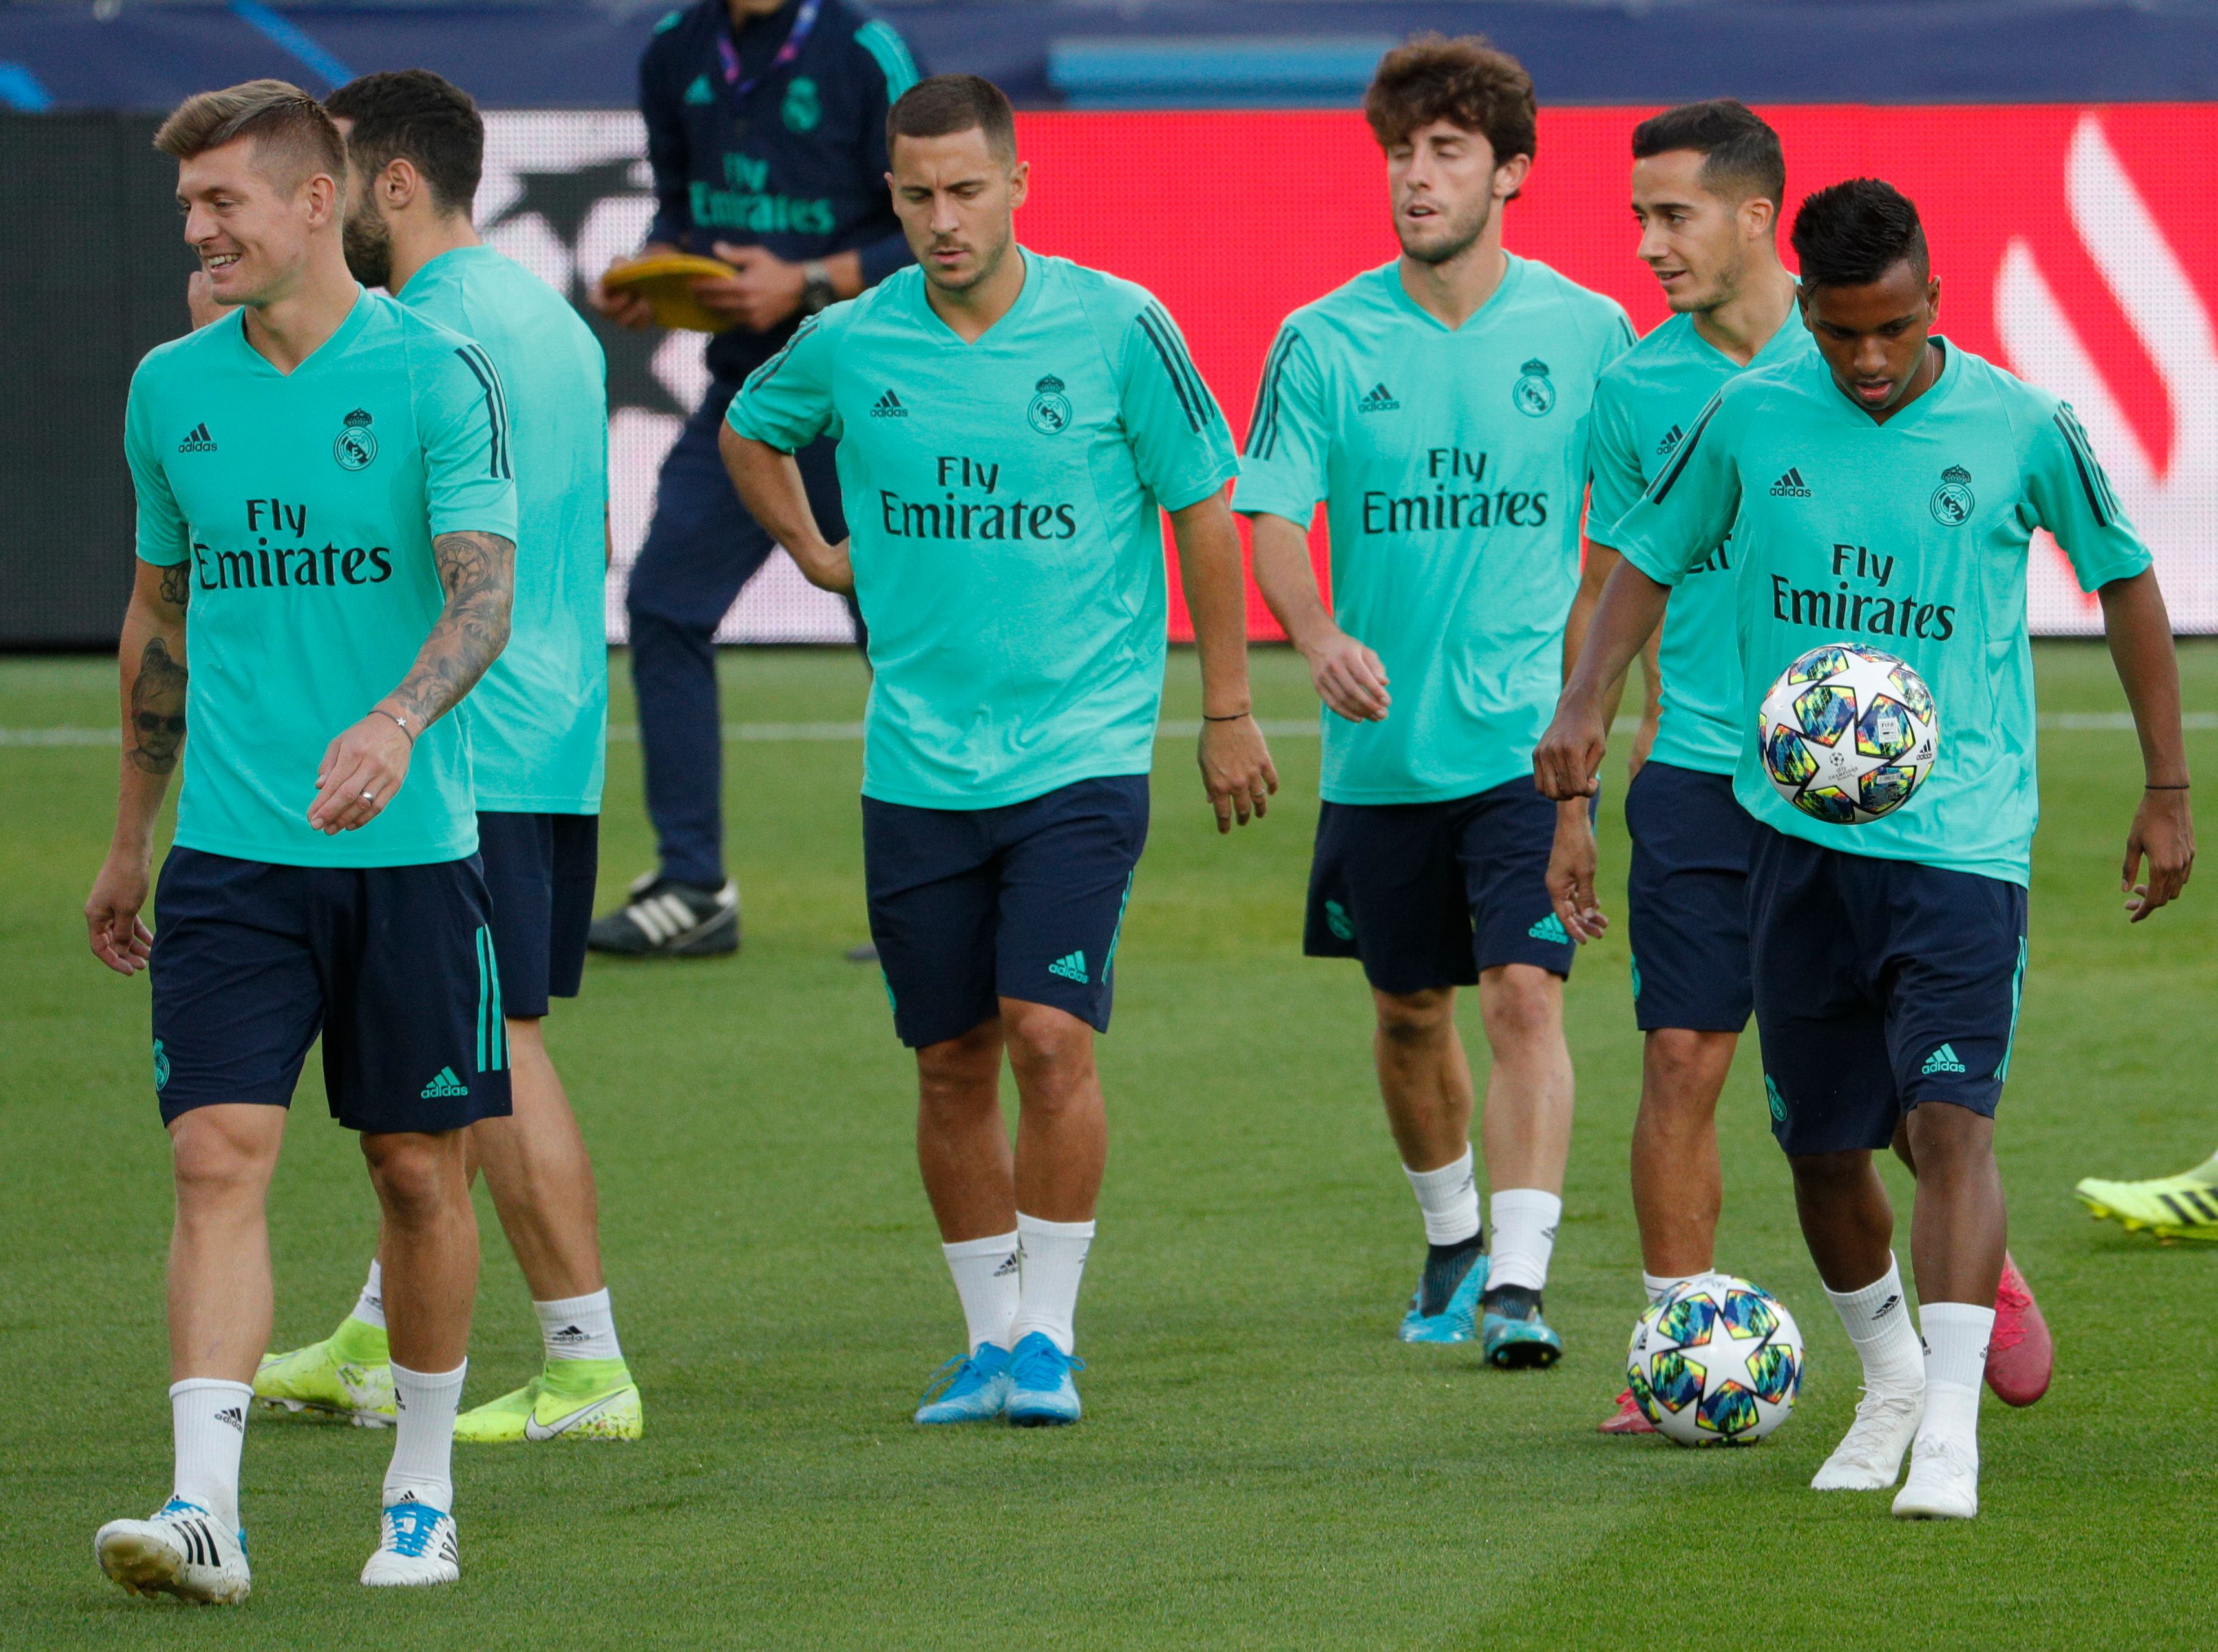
(665, 918)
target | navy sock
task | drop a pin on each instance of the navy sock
(1446, 1267)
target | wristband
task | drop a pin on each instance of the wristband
(1231, 716)
(2182, 786)
(398, 722)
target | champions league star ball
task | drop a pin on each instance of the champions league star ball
(1718, 1362)
(1848, 733)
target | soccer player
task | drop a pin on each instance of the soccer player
(537, 730)
(765, 131)
(1708, 181)
(1009, 425)
(1885, 495)
(1438, 406)
(326, 517)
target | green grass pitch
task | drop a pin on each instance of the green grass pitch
(1262, 1464)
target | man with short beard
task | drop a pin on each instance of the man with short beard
(538, 728)
(1438, 406)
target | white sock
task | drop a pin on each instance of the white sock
(1956, 1335)
(578, 1328)
(987, 1275)
(1449, 1199)
(423, 1436)
(1659, 1286)
(369, 1307)
(207, 1422)
(1877, 1319)
(1524, 1237)
(1052, 1256)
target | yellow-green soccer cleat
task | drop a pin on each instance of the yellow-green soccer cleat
(346, 1375)
(571, 1399)
(2183, 1207)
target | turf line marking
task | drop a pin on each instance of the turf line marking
(1175, 729)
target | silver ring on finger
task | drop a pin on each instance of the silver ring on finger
(370, 796)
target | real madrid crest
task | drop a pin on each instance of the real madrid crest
(356, 446)
(1952, 500)
(1050, 413)
(1535, 392)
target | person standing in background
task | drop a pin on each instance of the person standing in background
(765, 128)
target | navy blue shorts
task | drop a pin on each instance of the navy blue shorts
(539, 870)
(1431, 894)
(394, 966)
(970, 906)
(1880, 985)
(1685, 900)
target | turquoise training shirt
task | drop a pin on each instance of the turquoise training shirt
(305, 505)
(1452, 469)
(538, 719)
(1646, 400)
(1002, 496)
(1910, 537)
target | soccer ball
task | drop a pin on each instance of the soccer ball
(1848, 733)
(1718, 1362)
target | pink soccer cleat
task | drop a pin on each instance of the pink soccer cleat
(2022, 1355)
(1627, 1419)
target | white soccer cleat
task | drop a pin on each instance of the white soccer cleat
(1869, 1456)
(183, 1550)
(415, 1545)
(1944, 1480)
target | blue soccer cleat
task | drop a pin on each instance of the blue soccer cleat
(1457, 1319)
(1512, 1334)
(1041, 1393)
(971, 1388)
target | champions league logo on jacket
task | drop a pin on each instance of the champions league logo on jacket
(1050, 413)
(1533, 395)
(1952, 500)
(354, 447)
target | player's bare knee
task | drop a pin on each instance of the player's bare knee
(1521, 1005)
(1051, 1051)
(1947, 1139)
(1415, 1018)
(416, 1175)
(1829, 1175)
(212, 1161)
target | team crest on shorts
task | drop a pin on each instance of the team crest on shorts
(1952, 500)
(1534, 393)
(356, 446)
(1050, 413)
(161, 1067)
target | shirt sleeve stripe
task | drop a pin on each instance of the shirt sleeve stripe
(2093, 477)
(878, 39)
(764, 374)
(496, 407)
(1168, 329)
(1197, 411)
(1669, 475)
(1263, 427)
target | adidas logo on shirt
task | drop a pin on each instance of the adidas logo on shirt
(889, 407)
(445, 1084)
(197, 440)
(1380, 399)
(1941, 1060)
(1671, 440)
(1071, 966)
(1791, 486)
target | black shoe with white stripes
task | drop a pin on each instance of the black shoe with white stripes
(665, 918)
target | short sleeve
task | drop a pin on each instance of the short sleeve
(162, 534)
(1613, 459)
(1179, 441)
(461, 418)
(1688, 508)
(1282, 470)
(787, 401)
(2072, 498)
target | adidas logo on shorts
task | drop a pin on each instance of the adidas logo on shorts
(1551, 928)
(1071, 966)
(444, 1083)
(1941, 1060)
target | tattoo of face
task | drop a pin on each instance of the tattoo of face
(158, 711)
(177, 584)
(477, 571)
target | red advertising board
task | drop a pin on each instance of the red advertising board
(2074, 245)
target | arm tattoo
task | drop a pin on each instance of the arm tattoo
(158, 711)
(478, 571)
(177, 585)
